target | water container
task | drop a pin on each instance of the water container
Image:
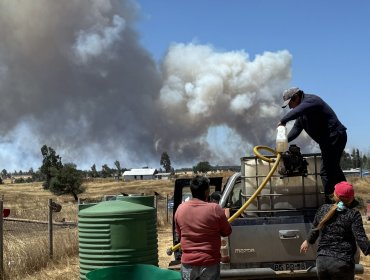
(147, 200)
(298, 192)
(133, 272)
(281, 139)
(115, 233)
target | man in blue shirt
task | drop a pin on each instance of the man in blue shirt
(315, 116)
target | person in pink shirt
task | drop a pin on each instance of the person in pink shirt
(200, 225)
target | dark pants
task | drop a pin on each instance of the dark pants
(207, 272)
(329, 268)
(331, 173)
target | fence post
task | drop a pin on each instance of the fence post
(167, 207)
(50, 227)
(1, 241)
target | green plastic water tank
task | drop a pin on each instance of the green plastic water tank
(115, 233)
(133, 272)
(147, 200)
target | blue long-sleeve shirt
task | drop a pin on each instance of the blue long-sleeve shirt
(316, 117)
(340, 234)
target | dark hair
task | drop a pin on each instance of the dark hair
(198, 186)
(215, 197)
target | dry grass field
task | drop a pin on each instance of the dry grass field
(28, 254)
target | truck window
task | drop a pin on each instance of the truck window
(235, 198)
(186, 192)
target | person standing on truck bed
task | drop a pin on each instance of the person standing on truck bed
(200, 225)
(318, 119)
(341, 227)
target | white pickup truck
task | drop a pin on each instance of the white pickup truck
(267, 236)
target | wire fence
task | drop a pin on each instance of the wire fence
(164, 205)
(31, 237)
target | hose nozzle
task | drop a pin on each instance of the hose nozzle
(173, 249)
(169, 251)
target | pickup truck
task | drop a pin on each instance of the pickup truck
(267, 236)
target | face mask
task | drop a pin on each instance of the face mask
(341, 206)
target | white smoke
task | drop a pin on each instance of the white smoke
(204, 88)
(99, 40)
(78, 80)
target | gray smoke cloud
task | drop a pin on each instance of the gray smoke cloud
(74, 76)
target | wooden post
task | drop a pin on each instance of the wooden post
(50, 228)
(1, 241)
(167, 207)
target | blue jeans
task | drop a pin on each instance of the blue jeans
(192, 272)
(329, 268)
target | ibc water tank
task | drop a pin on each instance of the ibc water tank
(282, 193)
(117, 233)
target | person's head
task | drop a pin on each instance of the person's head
(344, 192)
(215, 197)
(199, 187)
(292, 97)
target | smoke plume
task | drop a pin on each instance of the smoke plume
(74, 76)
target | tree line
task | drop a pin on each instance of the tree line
(355, 160)
(64, 178)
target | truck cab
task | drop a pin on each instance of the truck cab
(266, 237)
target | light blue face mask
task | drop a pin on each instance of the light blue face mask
(341, 206)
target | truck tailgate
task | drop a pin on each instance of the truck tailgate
(269, 240)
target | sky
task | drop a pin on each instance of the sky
(100, 81)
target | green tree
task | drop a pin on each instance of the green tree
(357, 159)
(365, 162)
(106, 171)
(202, 167)
(67, 180)
(4, 173)
(118, 166)
(93, 172)
(38, 176)
(166, 162)
(50, 161)
(346, 161)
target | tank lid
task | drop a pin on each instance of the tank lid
(114, 207)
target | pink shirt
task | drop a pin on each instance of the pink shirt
(200, 225)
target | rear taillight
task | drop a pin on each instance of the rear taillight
(225, 257)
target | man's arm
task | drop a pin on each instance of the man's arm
(177, 228)
(295, 131)
(225, 227)
(304, 107)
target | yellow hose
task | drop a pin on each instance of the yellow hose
(255, 194)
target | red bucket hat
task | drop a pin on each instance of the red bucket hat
(344, 190)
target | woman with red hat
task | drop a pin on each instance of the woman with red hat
(340, 227)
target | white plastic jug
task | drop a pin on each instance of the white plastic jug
(281, 139)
